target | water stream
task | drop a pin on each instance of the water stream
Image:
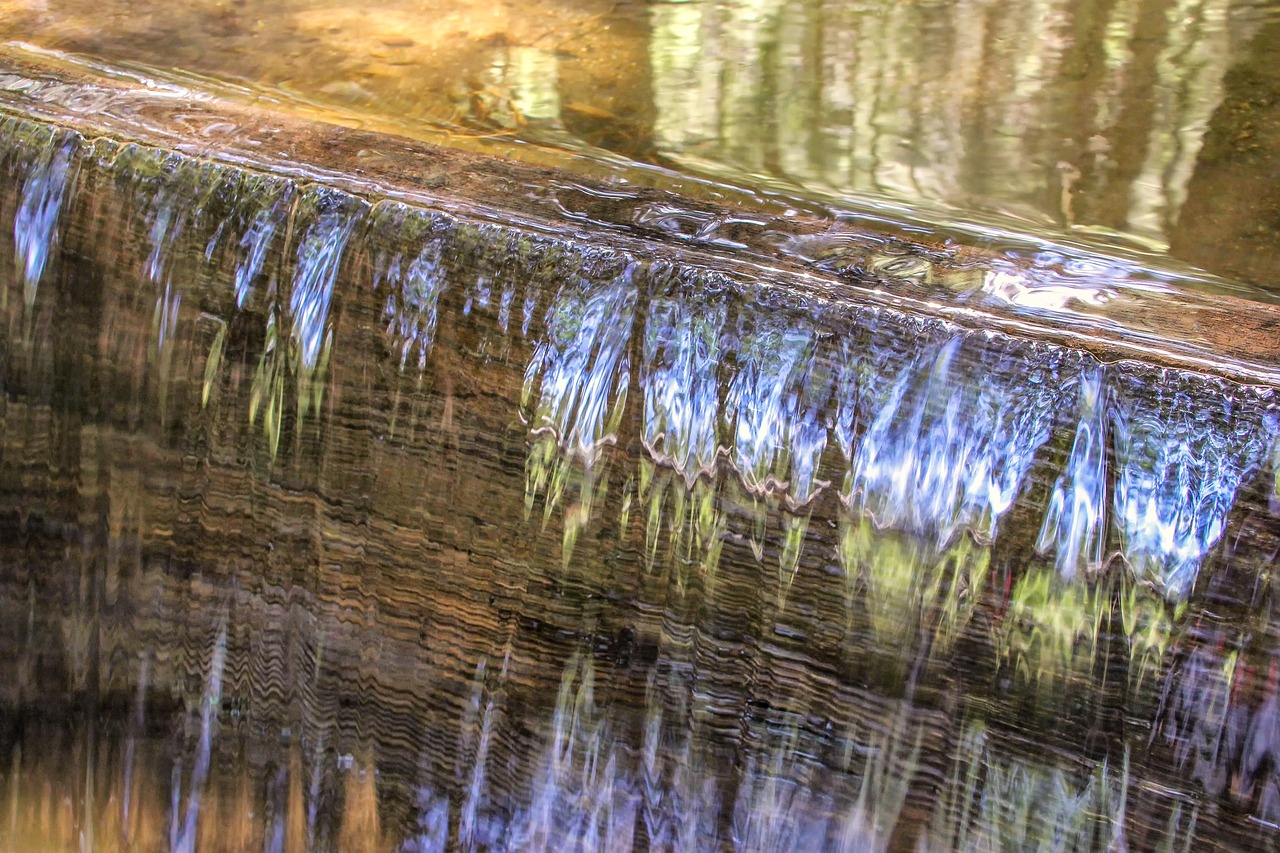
(336, 523)
(1135, 127)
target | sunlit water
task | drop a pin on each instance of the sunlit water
(1143, 126)
(334, 526)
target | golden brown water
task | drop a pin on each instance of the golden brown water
(1143, 125)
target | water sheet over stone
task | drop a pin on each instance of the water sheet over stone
(344, 521)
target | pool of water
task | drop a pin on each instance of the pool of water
(352, 526)
(1137, 126)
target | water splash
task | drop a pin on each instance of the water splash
(952, 430)
(774, 404)
(574, 395)
(504, 306)
(168, 217)
(939, 429)
(1074, 526)
(604, 767)
(1183, 446)
(413, 300)
(755, 391)
(681, 356)
(176, 187)
(318, 258)
(35, 225)
(479, 295)
(255, 243)
(299, 342)
(583, 367)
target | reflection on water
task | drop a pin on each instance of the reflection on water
(338, 526)
(1146, 124)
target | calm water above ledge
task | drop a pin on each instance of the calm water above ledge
(338, 525)
(1145, 125)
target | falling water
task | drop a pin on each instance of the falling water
(803, 572)
(35, 224)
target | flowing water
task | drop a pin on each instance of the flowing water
(1136, 126)
(334, 522)
(339, 526)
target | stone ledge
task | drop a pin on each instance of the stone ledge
(1116, 313)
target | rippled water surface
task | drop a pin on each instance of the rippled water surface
(337, 526)
(1150, 126)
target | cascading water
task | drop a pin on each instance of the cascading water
(266, 488)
